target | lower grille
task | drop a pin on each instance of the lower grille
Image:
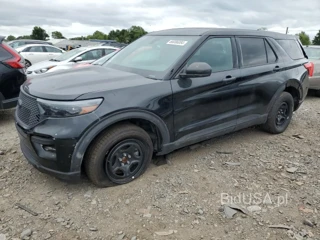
(28, 110)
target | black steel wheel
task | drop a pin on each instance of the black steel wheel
(118, 156)
(280, 114)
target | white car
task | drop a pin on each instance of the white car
(83, 55)
(34, 53)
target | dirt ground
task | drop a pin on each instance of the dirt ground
(181, 199)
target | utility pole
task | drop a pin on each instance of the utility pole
(287, 30)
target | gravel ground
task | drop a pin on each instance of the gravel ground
(193, 196)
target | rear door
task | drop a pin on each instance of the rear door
(35, 54)
(260, 79)
(52, 52)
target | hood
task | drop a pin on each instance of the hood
(71, 84)
(44, 64)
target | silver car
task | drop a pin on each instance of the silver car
(83, 55)
(313, 53)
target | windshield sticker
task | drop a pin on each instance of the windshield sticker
(177, 42)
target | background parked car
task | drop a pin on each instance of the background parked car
(83, 54)
(19, 43)
(12, 75)
(98, 62)
(313, 53)
(38, 52)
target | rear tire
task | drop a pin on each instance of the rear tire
(280, 114)
(118, 156)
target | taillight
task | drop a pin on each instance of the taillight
(14, 62)
(310, 67)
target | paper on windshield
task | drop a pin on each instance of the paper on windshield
(177, 42)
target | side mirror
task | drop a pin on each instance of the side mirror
(197, 69)
(77, 59)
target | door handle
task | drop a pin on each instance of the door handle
(277, 68)
(51, 54)
(229, 78)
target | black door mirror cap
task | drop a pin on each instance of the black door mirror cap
(197, 69)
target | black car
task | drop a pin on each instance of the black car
(12, 75)
(167, 90)
(21, 42)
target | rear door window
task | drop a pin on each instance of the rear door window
(292, 48)
(36, 49)
(253, 51)
(52, 49)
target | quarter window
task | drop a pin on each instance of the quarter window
(253, 51)
(217, 52)
(292, 48)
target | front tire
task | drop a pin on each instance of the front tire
(280, 115)
(118, 156)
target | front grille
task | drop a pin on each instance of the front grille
(28, 110)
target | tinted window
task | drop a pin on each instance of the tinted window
(35, 49)
(92, 55)
(292, 48)
(4, 54)
(217, 52)
(253, 51)
(271, 55)
(52, 49)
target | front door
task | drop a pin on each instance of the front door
(206, 106)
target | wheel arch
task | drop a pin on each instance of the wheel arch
(292, 86)
(141, 118)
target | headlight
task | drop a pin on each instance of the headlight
(67, 108)
(43, 70)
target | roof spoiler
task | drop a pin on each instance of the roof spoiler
(2, 38)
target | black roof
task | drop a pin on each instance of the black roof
(219, 31)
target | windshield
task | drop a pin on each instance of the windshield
(313, 53)
(151, 56)
(67, 55)
(103, 59)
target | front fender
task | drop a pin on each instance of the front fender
(85, 140)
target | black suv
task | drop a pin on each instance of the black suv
(12, 75)
(167, 90)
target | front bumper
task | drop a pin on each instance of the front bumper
(46, 163)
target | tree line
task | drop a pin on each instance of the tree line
(129, 35)
(124, 35)
(304, 38)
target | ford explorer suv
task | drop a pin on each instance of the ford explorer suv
(165, 91)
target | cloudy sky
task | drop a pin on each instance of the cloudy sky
(83, 17)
